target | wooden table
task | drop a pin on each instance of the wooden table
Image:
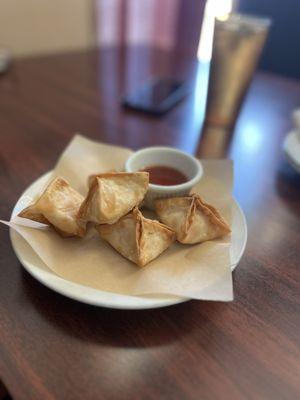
(55, 348)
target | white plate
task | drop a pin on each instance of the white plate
(291, 146)
(38, 269)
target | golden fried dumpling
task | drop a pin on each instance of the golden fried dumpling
(93, 176)
(58, 206)
(193, 220)
(137, 238)
(112, 195)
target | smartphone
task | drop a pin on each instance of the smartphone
(156, 96)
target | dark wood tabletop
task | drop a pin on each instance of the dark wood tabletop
(55, 348)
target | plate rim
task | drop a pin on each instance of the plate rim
(53, 281)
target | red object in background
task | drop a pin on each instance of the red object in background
(166, 24)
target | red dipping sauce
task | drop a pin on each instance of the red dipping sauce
(166, 176)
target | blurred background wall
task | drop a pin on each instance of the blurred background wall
(29, 27)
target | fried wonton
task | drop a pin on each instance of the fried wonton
(193, 220)
(137, 238)
(93, 176)
(58, 206)
(112, 195)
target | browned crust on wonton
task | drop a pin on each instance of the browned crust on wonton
(95, 184)
(141, 222)
(213, 214)
(111, 174)
(140, 228)
(193, 203)
(55, 184)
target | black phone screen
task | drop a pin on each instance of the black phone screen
(156, 96)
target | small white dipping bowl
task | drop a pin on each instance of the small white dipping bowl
(168, 157)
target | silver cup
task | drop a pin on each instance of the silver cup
(237, 45)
